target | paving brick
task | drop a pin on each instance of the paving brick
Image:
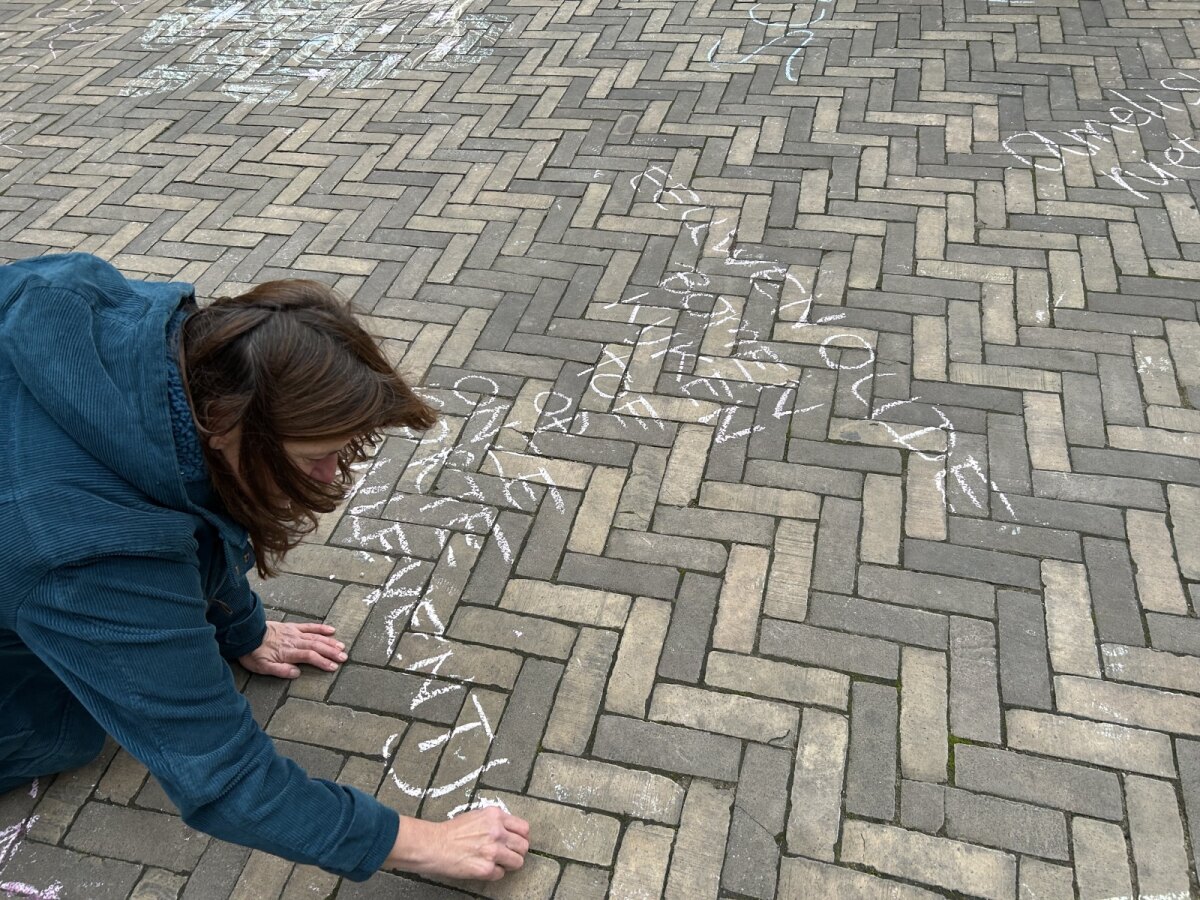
(436, 656)
(668, 748)
(1069, 626)
(1156, 832)
(741, 598)
(923, 806)
(1127, 704)
(397, 693)
(586, 607)
(616, 789)
(1185, 522)
(831, 649)
(927, 591)
(898, 623)
(1150, 667)
(41, 866)
(873, 750)
(1101, 860)
(1019, 827)
(564, 831)
(799, 878)
(815, 817)
(687, 637)
(137, 836)
(514, 632)
(1038, 878)
(1102, 744)
(619, 575)
(714, 525)
(580, 692)
(1060, 785)
(791, 568)
(582, 883)
(678, 552)
(411, 769)
(757, 824)
(975, 711)
(700, 843)
(777, 680)
(937, 861)
(963, 562)
(519, 733)
(1110, 579)
(217, 872)
(632, 678)
(467, 755)
(924, 740)
(333, 726)
(641, 867)
(723, 713)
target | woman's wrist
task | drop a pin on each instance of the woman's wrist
(414, 846)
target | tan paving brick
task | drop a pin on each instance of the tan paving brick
(931, 860)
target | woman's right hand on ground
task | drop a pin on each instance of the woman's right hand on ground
(481, 845)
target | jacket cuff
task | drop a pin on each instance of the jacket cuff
(245, 635)
(385, 828)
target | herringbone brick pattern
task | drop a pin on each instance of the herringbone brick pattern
(816, 507)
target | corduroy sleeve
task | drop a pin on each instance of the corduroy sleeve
(239, 617)
(129, 638)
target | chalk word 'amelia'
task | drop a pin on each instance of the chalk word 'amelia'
(1047, 151)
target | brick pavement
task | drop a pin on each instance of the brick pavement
(816, 507)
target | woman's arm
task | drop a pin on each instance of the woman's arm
(129, 638)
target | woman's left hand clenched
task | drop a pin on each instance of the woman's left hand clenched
(288, 644)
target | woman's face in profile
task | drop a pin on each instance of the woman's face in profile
(317, 459)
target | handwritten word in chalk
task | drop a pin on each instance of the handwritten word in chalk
(689, 294)
(778, 34)
(1093, 138)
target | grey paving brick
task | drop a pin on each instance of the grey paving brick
(933, 592)
(518, 735)
(494, 564)
(897, 623)
(692, 619)
(1021, 649)
(1110, 580)
(837, 546)
(668, 748)
(137, 836)
(760, 806)
(622, 576)
(398, 693)
(923, 806)
(871, 767)
(975, 712)
(548, 537)
(40, 866)
(830, 649)
(964, 562)
(716, 525)
(670, 550)
(1102, 489)
(1061, 785)
(1020, 827)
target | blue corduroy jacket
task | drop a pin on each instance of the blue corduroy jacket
(123, 585)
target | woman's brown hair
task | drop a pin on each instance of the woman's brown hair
(287, 361)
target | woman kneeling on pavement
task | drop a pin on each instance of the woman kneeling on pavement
(154, 452)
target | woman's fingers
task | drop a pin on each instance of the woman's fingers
(312, 656)
(314, 628)
(516, 825)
